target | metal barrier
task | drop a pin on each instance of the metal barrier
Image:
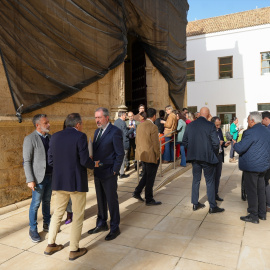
(160, 147)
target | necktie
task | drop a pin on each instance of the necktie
(99, 135)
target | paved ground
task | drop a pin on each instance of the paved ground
(169, 236)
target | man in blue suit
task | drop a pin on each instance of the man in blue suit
(254, 161)
(108, 148)
(69, 156)
(202, 145)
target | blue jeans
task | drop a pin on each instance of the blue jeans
(168, 151)
(183, 154)
(42, 193)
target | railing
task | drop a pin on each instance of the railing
(160, 147)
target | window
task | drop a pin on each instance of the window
(192, 109)
(191, 71)
(226, 113)
(265, 62)
(264, 107)
(225, 67)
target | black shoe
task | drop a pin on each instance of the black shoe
(124, 175)
(141, 174)
(35, 237)
(250, 219)
(127, 168)
(45, 227)
(99, 229)
(153, 202)
(216, 210)
(198, 206)
(137, 196)
(112, 235)
(219, 199)
(262, 217)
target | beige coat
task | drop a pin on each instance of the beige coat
(147, 142)
(170, 124)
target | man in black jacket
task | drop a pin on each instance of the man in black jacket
(121, 124)
(202, 145)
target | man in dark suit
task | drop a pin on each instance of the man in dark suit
(121, 124)
(254, 161)
(202, 145)
(216, 120)
(108, 148)
(69, 156)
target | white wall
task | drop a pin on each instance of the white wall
(247, 87)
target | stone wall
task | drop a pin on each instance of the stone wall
(107, 92)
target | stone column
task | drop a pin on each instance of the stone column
(118, 91)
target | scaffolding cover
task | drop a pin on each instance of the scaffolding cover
(51, 49)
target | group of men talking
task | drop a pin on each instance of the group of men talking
(59, 162)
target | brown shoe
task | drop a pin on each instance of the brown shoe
(73, 255)
(165, 162)
(233, 160)
(52, 249)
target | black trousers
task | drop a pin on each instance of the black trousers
(218, 173)
(209, 174)
(132, 145)
(106, 191)
(147, 180)
(267, 187)
(255, 189)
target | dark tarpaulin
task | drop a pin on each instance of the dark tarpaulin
(53, 48)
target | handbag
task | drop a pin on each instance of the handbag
(228, 136)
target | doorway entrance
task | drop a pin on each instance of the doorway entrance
(135, 75)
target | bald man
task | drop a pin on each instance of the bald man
(202, 151)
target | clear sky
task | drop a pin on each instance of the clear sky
(202, 9)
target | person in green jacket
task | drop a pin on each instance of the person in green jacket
(234, 129)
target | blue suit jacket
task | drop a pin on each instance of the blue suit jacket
(254, 149)
(69, 156)
(109, 150)
(201, 140)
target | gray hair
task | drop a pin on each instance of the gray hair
(120, 113)
(105, 111)
(256, 117)
(73, 119)
(37, 117)
(169, 107)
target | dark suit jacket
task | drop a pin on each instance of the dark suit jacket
(109, 150)
(125, 131)
(69, 156)
(200, 139)
(254, 149)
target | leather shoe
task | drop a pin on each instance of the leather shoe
(99, 229)
(124, 175)
(267, 209)
(262, 218)
(73, 255)
(112, 235)
(137, 196)
(216, 210)
(198, 206)
(250, 219)
(153, 202)
(219, 199)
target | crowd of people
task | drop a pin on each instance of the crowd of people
(59, 162)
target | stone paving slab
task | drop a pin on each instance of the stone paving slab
(169, 236)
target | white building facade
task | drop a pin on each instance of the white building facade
(231, 73)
